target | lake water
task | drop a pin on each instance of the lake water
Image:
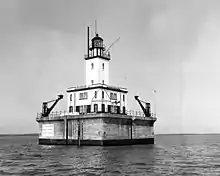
(171, 155)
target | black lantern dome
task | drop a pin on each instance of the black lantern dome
(97, 42)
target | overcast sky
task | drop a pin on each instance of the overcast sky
(172, 46)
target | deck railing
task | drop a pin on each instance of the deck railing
(60, 114)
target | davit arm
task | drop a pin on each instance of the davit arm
(145, 110)
(46, 111)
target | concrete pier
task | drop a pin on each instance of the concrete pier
(96, 129)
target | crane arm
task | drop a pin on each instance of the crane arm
(54, 104)
(46, 110)
(112, 44)
(145, 110)
(50, 101)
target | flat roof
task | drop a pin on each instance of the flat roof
(95, 86)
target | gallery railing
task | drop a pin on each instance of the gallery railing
(103, 55)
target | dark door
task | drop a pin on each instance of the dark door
(109, 108)
(118, 109)
(88, 108)
(103, 107)
(124, 110)
(95, 107)
(77, 108)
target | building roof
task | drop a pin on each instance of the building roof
(95, 86)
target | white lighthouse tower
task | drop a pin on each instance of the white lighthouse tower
(97, 64)
(97, 96)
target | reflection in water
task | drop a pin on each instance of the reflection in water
(112, 160)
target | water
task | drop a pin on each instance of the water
(171, 155)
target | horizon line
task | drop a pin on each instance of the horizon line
(35, 134)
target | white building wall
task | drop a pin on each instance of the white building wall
(91, 100)
(97, 74)
(92, 74)
(104, 74)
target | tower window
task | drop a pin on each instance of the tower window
(92, 82)
(102, 81)
(95, 94)
(70, 97)
(103, 66)
(92, 66)
(123, 97)
(102, 94)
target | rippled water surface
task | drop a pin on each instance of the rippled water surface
(171, 155)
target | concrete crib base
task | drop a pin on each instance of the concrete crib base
(96, 142)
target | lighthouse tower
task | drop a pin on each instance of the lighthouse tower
(97, 63)
(97, 96)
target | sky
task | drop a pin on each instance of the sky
(171, 46)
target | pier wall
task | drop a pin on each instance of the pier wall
(142, 129)
(116, 128)
(96, 131)
(89, 129)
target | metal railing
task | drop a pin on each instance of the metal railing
(102, 55)
(53, 115)
(61, 114)
(138, 114)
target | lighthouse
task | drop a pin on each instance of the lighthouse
(97, 95)
(96, 112)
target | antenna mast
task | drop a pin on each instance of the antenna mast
(88, 42)
(96, 27)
